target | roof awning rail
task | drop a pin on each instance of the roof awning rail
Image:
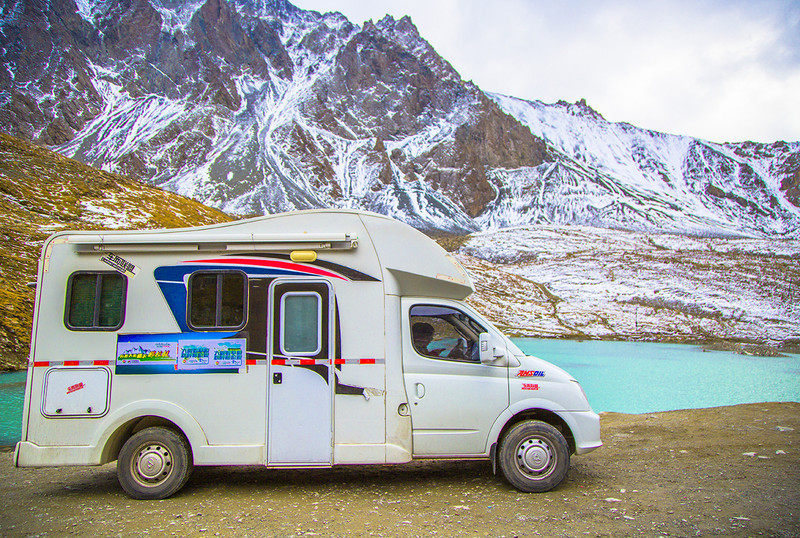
(139, 242)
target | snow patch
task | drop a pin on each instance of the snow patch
(178, 16)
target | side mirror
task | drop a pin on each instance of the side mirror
(490, 351)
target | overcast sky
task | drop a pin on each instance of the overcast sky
(722, 70)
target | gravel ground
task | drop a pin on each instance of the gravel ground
(730, 471)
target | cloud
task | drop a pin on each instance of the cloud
(716, 69)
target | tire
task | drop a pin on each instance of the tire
(534, 456)
(154, 463)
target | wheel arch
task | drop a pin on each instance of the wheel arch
(511, 419)
(124, 432)
(543, 415)
(130, 420)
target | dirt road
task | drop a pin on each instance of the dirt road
(732, 471)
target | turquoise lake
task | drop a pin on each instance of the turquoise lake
(12, 389)
(626, 377)
(639, 377)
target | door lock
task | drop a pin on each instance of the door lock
(277, 378)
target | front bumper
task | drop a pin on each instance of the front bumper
(585, 426)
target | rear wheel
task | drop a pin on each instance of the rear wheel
(154, 463)
(534, 456)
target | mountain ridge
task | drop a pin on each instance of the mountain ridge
(259, 106)
(703, 186)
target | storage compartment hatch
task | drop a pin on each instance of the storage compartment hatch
(76, 392)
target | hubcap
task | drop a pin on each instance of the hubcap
(153, 465)
(533, 455)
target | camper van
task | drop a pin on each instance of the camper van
(304, 339)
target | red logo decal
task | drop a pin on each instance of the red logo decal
(530, 373)
(76, 386)
(530, 386)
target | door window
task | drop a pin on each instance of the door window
(443, 332)
(301, 327)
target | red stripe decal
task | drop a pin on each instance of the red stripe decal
(339, 361)
(367, 361)
(275, 264)
(41, 363)
(279, 362)
(100, 363)
(307, 361)
(71, 363)
(250, 362)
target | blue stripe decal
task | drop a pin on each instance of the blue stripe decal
(171, 280)
(175, 295)
(176, 273)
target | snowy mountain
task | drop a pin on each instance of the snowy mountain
(256, 106)
(633, 178)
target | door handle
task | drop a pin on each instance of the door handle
(420, 390)
(277, 378)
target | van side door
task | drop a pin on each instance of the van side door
(300, 382)
(454, 399)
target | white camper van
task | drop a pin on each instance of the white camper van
(306, 339)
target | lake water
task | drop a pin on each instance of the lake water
(626, 377)
(639, 377)
(12, 389)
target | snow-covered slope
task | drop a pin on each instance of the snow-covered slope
(256, 106)
(615, 174)
(583, 282)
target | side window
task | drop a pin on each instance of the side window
(217, 300)
(95, 301)
(442, 332)
(301, 326)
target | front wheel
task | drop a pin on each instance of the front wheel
(534, 456)
(154, 463)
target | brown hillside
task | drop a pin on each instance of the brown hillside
(42, 192)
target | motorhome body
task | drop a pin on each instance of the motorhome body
(300, 339)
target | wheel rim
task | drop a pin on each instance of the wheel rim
(535, 457)
(152, 465)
